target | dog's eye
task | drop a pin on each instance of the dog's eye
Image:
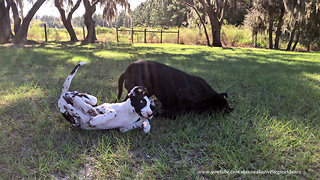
(142, 102)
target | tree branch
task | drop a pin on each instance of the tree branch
(197, 12)
(60, 9)
(95, 2)
(222, 14)
(73, 9)
(16, 18)
(217, 4)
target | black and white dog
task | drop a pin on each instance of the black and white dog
(81, 109)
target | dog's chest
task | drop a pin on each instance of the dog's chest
(124, 118)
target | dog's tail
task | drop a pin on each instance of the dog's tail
(67, 83)
(120, 86)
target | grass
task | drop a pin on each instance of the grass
(275, 124)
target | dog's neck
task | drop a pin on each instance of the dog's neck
(127, 107)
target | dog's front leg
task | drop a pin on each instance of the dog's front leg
(146, 126)
(142, 124)
(103, 118)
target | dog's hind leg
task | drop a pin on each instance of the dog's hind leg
(87, 98)
(87, 108)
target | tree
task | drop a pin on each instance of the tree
(304, 18)
(216, 12)
(51, 21)
(237, 11)
(109, 13)
(156, 13)
(193, 7)
(279, 25)
(268, 12)
(256, 23)
(305, 15)
(123, 20)
(66, 20)
(4, 22)
(22, 30)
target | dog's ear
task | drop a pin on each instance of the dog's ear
(144, 91)
(152, 104)
(224, 94)
(138, 89)
(132, 93)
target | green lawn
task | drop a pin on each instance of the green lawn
(274, 125)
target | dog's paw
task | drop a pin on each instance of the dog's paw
(146, 126)
(101, 110)
(90, 125)
(122, 129)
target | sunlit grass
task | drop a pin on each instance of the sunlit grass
(275, 124)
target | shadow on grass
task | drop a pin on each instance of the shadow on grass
(264, 88)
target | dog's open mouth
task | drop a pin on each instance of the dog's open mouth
(146, 118)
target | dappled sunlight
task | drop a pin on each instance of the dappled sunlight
(30, 92)
(314, 78)
(50, 51)
(112, 55)
(77, 59)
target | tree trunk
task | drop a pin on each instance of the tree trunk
(297, 40)
(5, 28)
(89, 22)
(278, 32)
(67, 21)
(216, 18)
(254, 37)
(215, 28)
(22, 33)
(234, 5)
(270, 31)
(67, 24)
(216, 31)
(16, 18)
(292, 35)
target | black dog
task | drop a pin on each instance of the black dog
(177, 91)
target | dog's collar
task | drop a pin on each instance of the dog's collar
(137, 114)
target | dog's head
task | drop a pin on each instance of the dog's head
(140, 102)
(219, 102)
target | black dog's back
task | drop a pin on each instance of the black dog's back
(174, 88)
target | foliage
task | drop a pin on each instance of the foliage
(237, 10)
(274, 126)
(50, 21)
(167, 13)
(302, 20)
